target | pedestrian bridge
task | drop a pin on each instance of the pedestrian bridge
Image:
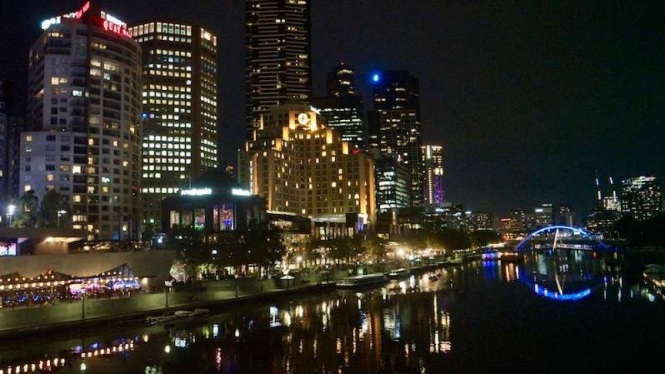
(561, 237)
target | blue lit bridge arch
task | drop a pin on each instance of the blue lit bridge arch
(578, 239)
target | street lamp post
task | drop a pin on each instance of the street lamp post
(60, 214)
(11, 209)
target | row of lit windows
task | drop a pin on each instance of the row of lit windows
(169, 88)
(175, 74)
(160, 190)
(167, 161)
(163, 168)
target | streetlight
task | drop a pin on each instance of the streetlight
(11, 209)
(60, 214)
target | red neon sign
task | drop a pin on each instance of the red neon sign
(116, 29)
(82, 11)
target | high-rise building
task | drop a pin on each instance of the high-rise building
(84, 121)
(395, 127)
(277, 57)
(179, 108)
(392, 181)
(520, 221)
(341, 81)
(432, 163)
(543, 216)
(641, 197)
(5, 145)
(480, 221)
(343, 109)
(565, 216)
(302, 167)
(603, 222)
(609, 200)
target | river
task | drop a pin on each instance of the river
(561, 311)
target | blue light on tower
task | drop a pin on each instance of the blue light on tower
(376, 78)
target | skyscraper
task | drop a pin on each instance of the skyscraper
(179, 108)
(395, 127)
(84, 117)
(302, 167)
(342, 108)
(432, 162)
(543, 216)
(641, 197)
(341, 81)
(5, 103)
(393, 181)
(277, 55)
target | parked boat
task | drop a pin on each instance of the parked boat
(398, 273)
(452, 262)
(180, 314)
(363, 281)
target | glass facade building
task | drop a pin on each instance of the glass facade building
(179, 140)
(395, 123)
(277, 56)
(432, 164)
(641, 197)
(84, 121)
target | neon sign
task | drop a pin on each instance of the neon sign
(116, 29)
(57, 20)
(241, 192)
(82, 11)
(196, 192)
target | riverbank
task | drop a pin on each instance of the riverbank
(22, 323)
(215, 295)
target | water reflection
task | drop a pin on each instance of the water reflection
(446, 319)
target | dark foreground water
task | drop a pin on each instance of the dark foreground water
(566, 312)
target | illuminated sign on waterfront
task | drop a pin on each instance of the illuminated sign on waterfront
(116, 29)
(75, 15)
(196, 192)
(241, 192)
(107, 22)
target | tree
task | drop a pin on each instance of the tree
(265, 245)
(54, 211)
(258, 245)
(26, 211)
(483, 238)
(190, 248)
(642, 233)
(375, 248)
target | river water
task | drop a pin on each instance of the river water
(563, 311)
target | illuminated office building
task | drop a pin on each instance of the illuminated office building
(392, 181)
(179, 108)
(83, 121)
(432, 163)
(341, 81)
(10, 129)
(342, 108)
(641, 197)
(277, 56)
(543, 216)
(302, 167)
(395, 123)
(480, 221)
(565, 216)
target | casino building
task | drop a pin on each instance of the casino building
(83, 121)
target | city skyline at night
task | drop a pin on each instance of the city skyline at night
(538, 128)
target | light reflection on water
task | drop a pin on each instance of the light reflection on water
(414, 325)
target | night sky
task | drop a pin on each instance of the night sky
(528, 98)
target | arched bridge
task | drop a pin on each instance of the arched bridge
(563, 237)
